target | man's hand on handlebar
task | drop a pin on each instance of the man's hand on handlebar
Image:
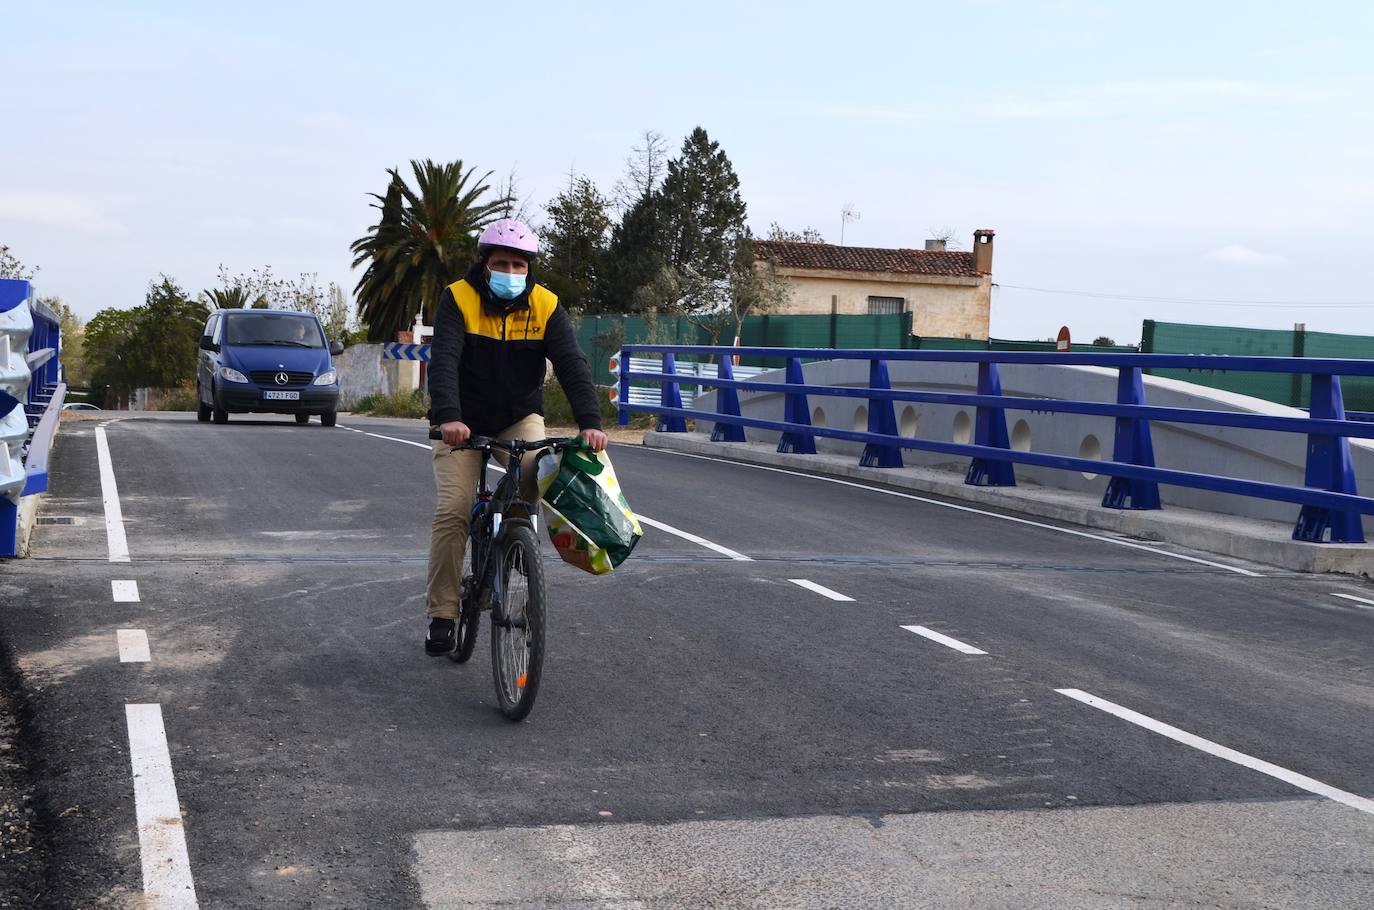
(454, 433)
(595, 439)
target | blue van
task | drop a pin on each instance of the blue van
(266, 361)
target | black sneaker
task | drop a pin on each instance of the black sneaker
(439, 639)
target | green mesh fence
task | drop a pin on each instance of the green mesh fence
(1003, 344)
(602, 336)
(1358, 391)
(1293, 390)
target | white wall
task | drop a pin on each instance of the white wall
(363, 372)
(1248, 454)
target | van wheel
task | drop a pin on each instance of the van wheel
(221, 416)
(302, 418)
(202, 409)
(329, 418)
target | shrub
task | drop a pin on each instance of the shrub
(558, 413)
(181, 398)
(397, 404)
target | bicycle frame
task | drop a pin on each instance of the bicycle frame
(490, 509)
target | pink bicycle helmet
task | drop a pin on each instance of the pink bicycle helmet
(511, 235)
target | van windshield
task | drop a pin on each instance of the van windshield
(274, 328)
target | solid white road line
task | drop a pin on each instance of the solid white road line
(700, 541)
(820, 589)
(109, 492)
(133, 646)
(1197, 742)
(161, 834)
(1359, 600)
(419, 445)
(125, 592)
(958, 508)
(944, 640)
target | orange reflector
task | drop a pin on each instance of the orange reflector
(520, 683)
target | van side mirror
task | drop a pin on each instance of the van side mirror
(208, 344)
(335, 348)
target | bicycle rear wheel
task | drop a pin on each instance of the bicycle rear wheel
(517, 641)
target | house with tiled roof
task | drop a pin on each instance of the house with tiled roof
(948, 292)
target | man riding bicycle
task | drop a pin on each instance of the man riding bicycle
(493, 331)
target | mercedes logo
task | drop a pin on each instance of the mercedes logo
(282, 379)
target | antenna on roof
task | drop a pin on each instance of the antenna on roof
(847, 214)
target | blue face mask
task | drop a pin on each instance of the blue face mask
(505, 285)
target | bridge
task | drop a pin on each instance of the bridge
(798, 692)
(803, 690)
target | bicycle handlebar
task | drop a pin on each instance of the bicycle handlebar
(486, 443)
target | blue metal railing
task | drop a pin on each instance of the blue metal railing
(31, 395)
(1331, 506)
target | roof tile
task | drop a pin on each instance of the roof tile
(795, 255)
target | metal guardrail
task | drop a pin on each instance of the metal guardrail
(1331, 506)
(642, 395)
(31, 395)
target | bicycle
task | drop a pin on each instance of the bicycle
(510, 587)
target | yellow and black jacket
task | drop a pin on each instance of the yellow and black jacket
(486, 364)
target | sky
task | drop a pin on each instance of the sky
(1183, 152)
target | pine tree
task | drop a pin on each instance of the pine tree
(703, 221)
(632, 278)
(574, 241)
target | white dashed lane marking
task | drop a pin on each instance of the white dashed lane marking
(167, 880)
(109, 493)
(699, 541)
(125, 592)
(133, 646)
(820, 589)
(944, 640)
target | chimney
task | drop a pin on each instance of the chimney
(982, 251)
(935, 246)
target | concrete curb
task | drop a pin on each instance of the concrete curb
(1226, 535)
(28, 519)
(29, 506)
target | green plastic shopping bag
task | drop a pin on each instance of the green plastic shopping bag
(590, 523)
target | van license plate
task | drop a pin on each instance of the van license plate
(281, 396)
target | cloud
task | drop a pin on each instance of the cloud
(57, 210)
(1235, 254)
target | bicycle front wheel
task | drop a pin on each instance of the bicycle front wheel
(517, 638)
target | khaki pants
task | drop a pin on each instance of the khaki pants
(455, 475)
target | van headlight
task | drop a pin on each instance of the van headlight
(229, 374)
(328, 377)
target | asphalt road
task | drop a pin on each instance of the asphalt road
(709, 732)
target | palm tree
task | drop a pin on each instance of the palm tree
(423, 242)
(234, 298)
